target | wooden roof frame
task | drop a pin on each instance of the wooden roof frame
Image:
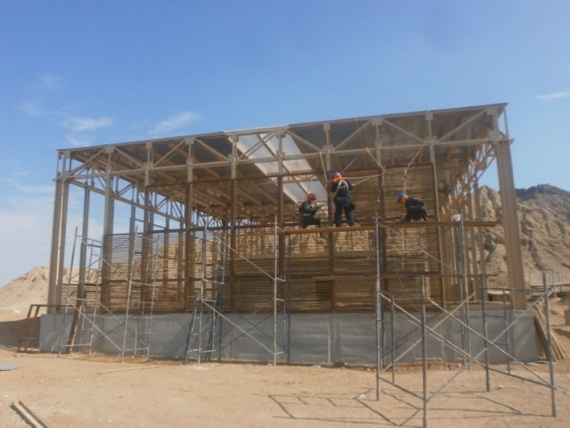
(459, 142)
(243, 176)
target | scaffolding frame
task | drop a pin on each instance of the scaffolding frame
(425, 331)
(87, 310)
(246, 178)
(250, 180)
(212, 306)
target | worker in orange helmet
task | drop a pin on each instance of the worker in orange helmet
(340, 189)
(415, 208)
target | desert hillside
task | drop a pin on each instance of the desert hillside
(18, 294)
(544, 217)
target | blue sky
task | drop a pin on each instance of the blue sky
(82, 72)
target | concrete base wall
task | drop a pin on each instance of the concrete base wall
(301, 338)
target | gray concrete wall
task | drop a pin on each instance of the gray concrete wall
(301, 338)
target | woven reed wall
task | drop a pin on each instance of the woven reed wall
(311, 276)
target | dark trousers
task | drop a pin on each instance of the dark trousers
(338, 210)
(309, 220)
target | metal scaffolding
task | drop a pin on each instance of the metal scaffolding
(221, 236)
(245, 181)
(83, 300)
(208, 302)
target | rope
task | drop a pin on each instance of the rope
(350, 163)
(410, 164)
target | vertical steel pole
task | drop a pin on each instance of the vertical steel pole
(485, 333)
(379, 330)
(393, 338)
(510, 222)
(507, 335)
(275, 275)
(57, 255)
(549, 344)
(83, 248)
(424, 353)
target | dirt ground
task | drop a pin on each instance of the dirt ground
(93, 391)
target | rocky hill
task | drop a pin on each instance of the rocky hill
(544, 217)
(18, 294)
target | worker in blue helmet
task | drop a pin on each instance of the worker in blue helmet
(340, 190)
(415, 207)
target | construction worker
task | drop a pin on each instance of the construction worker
(308, 211)
(415, 208)
(340, 189)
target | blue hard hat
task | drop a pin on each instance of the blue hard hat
(400, 196)
(335, 174)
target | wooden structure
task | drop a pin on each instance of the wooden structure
(242, 188)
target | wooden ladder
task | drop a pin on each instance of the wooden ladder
(29, 327)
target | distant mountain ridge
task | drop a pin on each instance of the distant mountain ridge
(541, 189)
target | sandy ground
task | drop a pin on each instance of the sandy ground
(93, 391)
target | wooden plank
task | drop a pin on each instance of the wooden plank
(28, 415)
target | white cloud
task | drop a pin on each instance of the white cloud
(75, 124)
(77, 141)
(554, 96)
(167, 126)
(31, 108)
(48, 81)
(82, 124)
(78, 126)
